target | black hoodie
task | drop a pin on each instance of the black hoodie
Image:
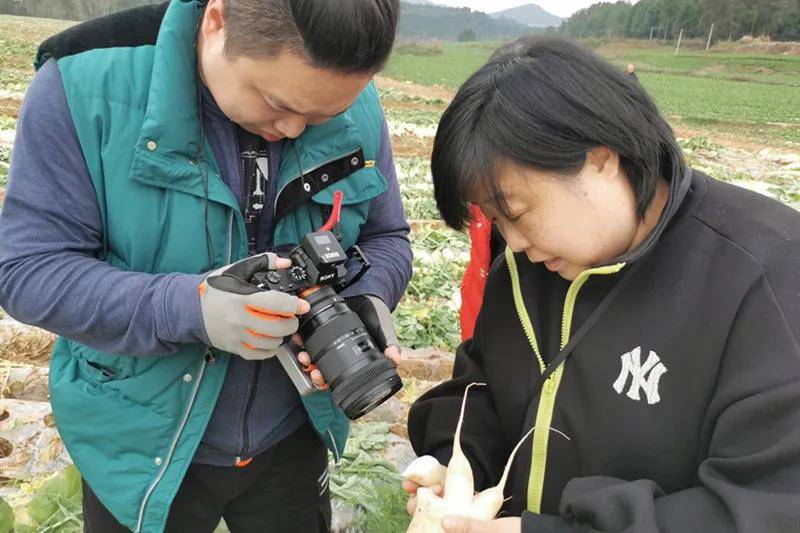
(678, 410)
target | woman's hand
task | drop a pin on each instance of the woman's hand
(411, 488)
(459, 524)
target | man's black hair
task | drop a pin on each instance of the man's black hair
(351, 36)
(542, 103)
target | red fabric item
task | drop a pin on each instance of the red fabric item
(336, 212)
(480, 256)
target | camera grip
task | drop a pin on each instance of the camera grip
(287, 355)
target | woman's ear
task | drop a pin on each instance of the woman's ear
(602, 162)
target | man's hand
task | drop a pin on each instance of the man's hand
(458, 524)
(241, 318)
(305, 360)
(377, 320)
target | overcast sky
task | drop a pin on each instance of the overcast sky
(562, 8)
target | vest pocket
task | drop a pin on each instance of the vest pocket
(99, 373)
(98, 367)
(117, 444)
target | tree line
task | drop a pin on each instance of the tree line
(664, 19)
(657, 19)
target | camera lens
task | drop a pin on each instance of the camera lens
(359, 375)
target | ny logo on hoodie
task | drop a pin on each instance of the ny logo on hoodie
(645, 376)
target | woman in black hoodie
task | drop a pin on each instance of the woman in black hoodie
(644, 317)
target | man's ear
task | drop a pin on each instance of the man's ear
(213, 18)
(603, 162)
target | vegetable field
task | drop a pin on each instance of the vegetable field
(737, 116)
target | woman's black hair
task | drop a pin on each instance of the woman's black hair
(542, 103)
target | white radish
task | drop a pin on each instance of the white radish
(487, 503)
(459, 497)
(459, 485)
(430, 511)
(425, 471)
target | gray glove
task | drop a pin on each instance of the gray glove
(241, 318)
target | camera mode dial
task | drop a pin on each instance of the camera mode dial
(297, 274)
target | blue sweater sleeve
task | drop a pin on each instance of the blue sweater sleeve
(384, 237)
(50, 238)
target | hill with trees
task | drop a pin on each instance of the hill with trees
(732, 19)
(422, 22)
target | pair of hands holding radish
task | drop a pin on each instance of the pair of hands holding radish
(444, 500)
(456, 523)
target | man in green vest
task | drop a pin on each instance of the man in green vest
(158, 145)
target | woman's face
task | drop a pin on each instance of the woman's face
(572, 224)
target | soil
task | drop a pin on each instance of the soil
(411, 146)
(9, 107)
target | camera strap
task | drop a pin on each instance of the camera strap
(254, 172)
(311, 181)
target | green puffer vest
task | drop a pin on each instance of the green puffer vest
(132, 424)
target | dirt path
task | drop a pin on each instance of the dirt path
(735, 137)
(411, 146)
(9, 107)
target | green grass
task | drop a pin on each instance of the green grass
(700, 143)
(458, 60)
(5, 163)
(766, 69)
(787, 191)
(389, 94)
(8, 123)
(392, 516)
(450, 68)
(719, 100)
(420, 117)
(756, 93)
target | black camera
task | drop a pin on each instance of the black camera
(359, 375)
